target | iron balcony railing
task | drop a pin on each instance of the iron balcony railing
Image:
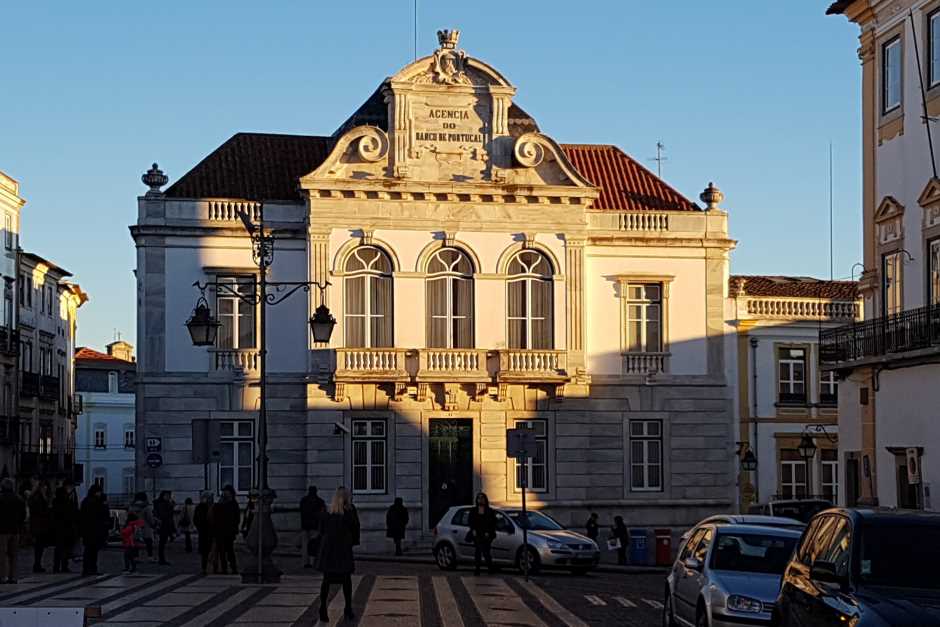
(901, 332)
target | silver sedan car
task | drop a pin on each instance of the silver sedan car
(550, 544)
(727, 575)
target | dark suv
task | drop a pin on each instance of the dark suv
(863, 568)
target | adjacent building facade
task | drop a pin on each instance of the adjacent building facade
(888, 401)
(783, 392)
(105, 440)
(483, 277)
(11, 203)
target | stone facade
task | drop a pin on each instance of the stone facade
(10, 205)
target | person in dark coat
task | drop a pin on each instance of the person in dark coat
(223, 520)
(249, 516)
(40, 523)
(619, 531)
(591, 526)
(163, 512)
(64, 529)
(203, 532)
(94, 522)
(483, 531)
(312, 508)
(12, 517)
(396, 521)
(186, 524)
(339, 533)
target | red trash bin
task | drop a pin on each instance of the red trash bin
(663, 547)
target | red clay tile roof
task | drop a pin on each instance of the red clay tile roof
(796, 287)
(262, 166)
(90, 354)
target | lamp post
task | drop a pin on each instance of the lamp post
(203, 329)
(807, 447)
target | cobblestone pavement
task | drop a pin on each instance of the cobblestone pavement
(384, 594)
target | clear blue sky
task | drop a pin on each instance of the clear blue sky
(747, 94)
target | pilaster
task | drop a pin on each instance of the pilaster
(574, 289)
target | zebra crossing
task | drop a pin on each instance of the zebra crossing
(180, 600)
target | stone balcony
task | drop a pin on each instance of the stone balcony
(645, 363)
(457, 365)
(371, 365)
(236, 361)
(532, 365)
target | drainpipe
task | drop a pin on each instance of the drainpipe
(754, 415)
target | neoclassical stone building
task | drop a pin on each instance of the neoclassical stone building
(483, 276)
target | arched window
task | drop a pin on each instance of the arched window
(450, 299)
(368, 290)
(530, 301)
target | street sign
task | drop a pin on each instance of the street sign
(521, 443)
(154, 460)
(913, 466)
(154, 444)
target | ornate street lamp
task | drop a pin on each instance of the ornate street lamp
(322, 323)
(806, 448)
(203, 328)
(749, 461)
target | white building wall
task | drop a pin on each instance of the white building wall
(114, 411)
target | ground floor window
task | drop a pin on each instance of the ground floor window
(100, 479)
(127, 477)
(369, 459)
(792, 474)
(829, 475)
(535, 468)
(237, 467)
(646, 455)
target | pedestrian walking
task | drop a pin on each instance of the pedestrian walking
(94, 522)
(339, 533)
(396, 521)
(619, 531)
(223, 519)
(142, 508)
(312, 509)
(131, 540)
(186, 524)
(482, 532)
(64, 528)
(12, 518)
(163, 511)
(40, 523)
(591, 526)
(203, 532)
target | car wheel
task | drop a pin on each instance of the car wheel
(528, 554)
(445, 556)
(701, 618)
(669, 617)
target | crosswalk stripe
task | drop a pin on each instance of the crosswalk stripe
(498, 604)
(624, 602)
(207, 617)
(553, 606)
(75, 583)
(446, 603)
(336, 607)
(653, 604)
(146, 590)
(393, 596)
(593, 599)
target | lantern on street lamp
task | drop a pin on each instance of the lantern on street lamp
(807, 447)
(203, 328)
(322, 323)
(749, 461)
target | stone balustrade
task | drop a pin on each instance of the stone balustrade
(801, 308)
(452, 364)
(645, 363)
(371, 364)
(532, 365)
(227, 210)
(236, 360)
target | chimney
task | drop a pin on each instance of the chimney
(121, 350)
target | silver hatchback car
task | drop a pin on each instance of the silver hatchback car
(550, 544)
(727, 575)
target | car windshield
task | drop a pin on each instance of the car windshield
(801, 511)
(752, 553)
(904, 556)
(535, 521)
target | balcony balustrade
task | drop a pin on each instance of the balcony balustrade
(532, 365)
(645, 363)
(237, 360)
(452, 364)
(371, 364)
(915, 329)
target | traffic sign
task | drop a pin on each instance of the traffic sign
(521, 443)
(154, 444)
(154, 460)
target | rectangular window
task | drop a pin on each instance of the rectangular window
(791, 366)
(792, 475)
(127, 476)
(101, 440)
(129, 436)
(99, 480)
(644, 318)
(8, 232)
(934, 278)
(892, 284)
(535, 468)
(42, 300)
(45, 438)
(50, 301)
(112, 382)
(891, 75)
(828, 388)
(26, 355)
(236, 315)
(933, 44)
(646, 455)
(368, 456)
(29, 292)
(829, 474)
(237, 467)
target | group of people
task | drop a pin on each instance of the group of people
(618, 532)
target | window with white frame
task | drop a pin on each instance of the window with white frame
(129, 437)
(236, 315)
(892, 283)
(646, 455)
(128, 480)
(101, 437)
(100, 478)
(530, 301)
(112, 382)
(535, 467)
(891, 75)
(792, 474)
(368, 295)
(369, 459)
(49, 302)
(791, 377)
(644, 318)
(450, 299)
(8, 232)
(45, 438)
(237, 467)
(829, 474)
(828, 388)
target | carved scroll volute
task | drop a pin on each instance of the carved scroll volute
(529, 152)
(372, 145)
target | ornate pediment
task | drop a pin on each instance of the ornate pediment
(889, 208)
(930, 201)
(889, 220)
(361, 154)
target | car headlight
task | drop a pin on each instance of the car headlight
(744, 604)
(552, 544)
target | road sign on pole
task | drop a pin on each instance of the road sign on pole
(522, 444)
(154, 444)
(154, 460)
